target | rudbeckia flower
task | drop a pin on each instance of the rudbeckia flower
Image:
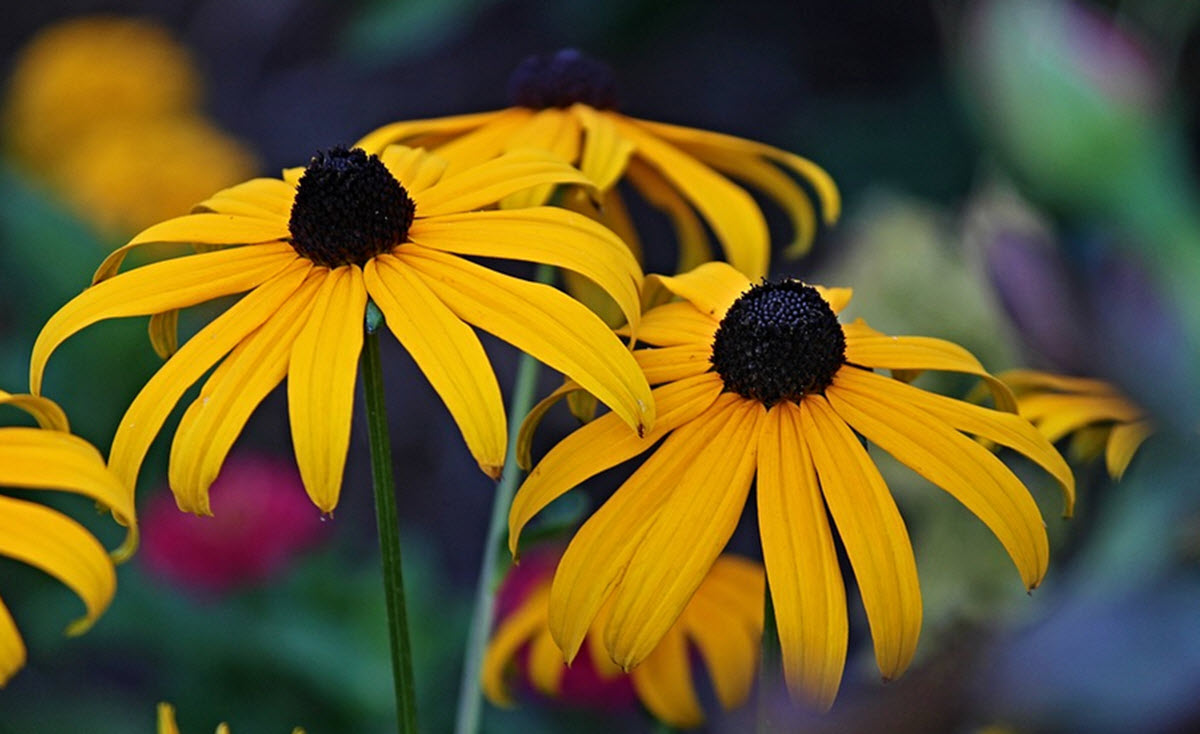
(723, 621)
(50, 458)
(761, 380)
(566, 103)
(167, 725)
(1100, 417)
(311, 249)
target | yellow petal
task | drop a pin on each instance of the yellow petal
(837, 298)
(687, 534)
(45, 411)
(1024, 380)
(1056, 415)
(669, 364)
(449, 355)
(164, 332)
(728, 209)
(166, 719)
(602, 444)
(12, 649)
(56, 544)
(872, 533)
(965, 469)
(807, 589)
(711, 287)
(534, 418)
(1123, 443)
(664, 685)
(609, 211)
(415, 168)
(158, 396)
(605, 152)
(543, 322)
(923, 353)
(551, 130)
(216, 417)
(320, 386)
(265, 198)
(727, 645)
(546, 665)
(513, 633)
(484, 143)
(162, 286)
(675, 324)
(689, 231)
(543, 235)
(485, 184)
(398, 132)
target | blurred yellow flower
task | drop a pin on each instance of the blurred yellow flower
(167, 725)
(50, 458)
(763, 380)
(311, 249)
(1101, 418)
(565, 103)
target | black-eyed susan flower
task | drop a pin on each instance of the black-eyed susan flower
(1095, 414)
(762, 380)
(167, 725)
(723, 621)
(566, 103)
(50, 458)
(311, 249)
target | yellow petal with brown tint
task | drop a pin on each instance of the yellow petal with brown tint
(675, 324)
(924, 353)
(485, 184)
(513, 633)
(484, 143)
(164, 332)
(669, 364)
(728, 647)
(597, 557)
(703, 142)
(534, 418)
(56, 544)
(1005, 429)
(216, 417)
(12, 649)
(161, 286)
(33, 458)
(546, 666)
(415, 168)
(542, 235)
(398, 132)
(449, 355)
(687, 534)
(694, 248)
(158, 396)
(551, 130)
(208, 229)
(966, 470)
(166, 719)
(604, 443)
(265, 198)
(45, 411)
(807, 589)
(1056, 414)
(837, 298)
(605, 151)
(728, 209)
(872, 533)
(543, 322)
(1123, 443)
(712, 287)
(664, 685)
(320, 385)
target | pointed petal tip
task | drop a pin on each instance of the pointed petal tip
(492, 470)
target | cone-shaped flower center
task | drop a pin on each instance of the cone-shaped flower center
(562, 79)
(348, 209)
(778, 341)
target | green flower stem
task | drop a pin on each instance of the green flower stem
(470, 692)
(389, 529)
(771, 666)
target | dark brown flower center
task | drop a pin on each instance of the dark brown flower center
(778, 341)
(560, 80)
(348, 209)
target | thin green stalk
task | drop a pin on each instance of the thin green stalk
(469, 691)
(770, 669)
(389, 528)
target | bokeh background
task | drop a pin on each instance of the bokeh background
(1018, 177)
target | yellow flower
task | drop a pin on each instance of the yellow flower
(50, 458)
(565, 104)
(762, 380)
(1102, 419)
(723, 620)
(313, 248)
(167, 725)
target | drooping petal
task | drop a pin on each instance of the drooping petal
(924, 353)
(689, 231)
(1056, 414)
(264, 198)
(604, 443)
(321, 376)
(664, 684)
(12, 649)
(45, 411)
(510, 636)
(542, 235)
(605, 151)
(162, 286)
(546, 666)
(164, 332)
(712, 287)
(687, 534)
(610, 211)
(484, 184)
(215, 419)
(543, 322)
(965, 469)
(728, 646)
(675, 324)
(1022, 380)
(534, 418)
(806, 583)
(415, 168)
(449, 355)
(158, 396)
(398, 132)
(1123, 443)
(872, 533)
(56, 544)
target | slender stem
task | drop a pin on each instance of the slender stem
(389, 531)
(771, 666)
(469, 691)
